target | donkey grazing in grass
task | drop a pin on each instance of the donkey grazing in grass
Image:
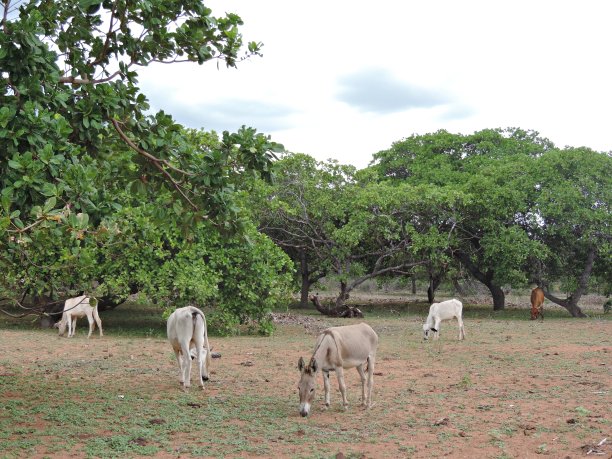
(537, 303)
(339, 348)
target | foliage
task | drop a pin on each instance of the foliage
(93, 187)
(531, 212)
(352, 228)
(574, 192)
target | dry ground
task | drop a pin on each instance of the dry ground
(513, 388)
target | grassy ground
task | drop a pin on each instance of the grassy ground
(513, 388)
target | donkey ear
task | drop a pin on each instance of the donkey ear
(301, 364)
(313, 365)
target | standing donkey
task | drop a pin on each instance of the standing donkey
(337, 349)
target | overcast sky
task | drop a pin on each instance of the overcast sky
(345, 79)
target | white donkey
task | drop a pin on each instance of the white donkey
(439, 312)
(339, 348)
(187, 334)
(74, 308)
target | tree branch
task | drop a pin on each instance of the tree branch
(156, 162)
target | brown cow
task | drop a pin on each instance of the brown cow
(537, 303)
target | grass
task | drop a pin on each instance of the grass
(118, 396)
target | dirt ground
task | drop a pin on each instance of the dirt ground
(513, 388)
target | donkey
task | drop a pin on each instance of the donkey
(537, 303)
(187, 334)
(74, 308)
(337, 349)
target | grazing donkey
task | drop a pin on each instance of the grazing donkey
(187, 334)
(74, 308)
(339, 348)
(439, 312)
(537, 303)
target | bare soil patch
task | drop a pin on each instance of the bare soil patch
(512, 389)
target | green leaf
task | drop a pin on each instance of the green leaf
(87, 4)
(82, 220)
(49, 204)
(15, 165)
(49, 189)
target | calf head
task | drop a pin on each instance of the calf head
(307, 384)
(535, 312)
(61, 326)
(426, 330)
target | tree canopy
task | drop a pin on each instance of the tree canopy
(87, 169)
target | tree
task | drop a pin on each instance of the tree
(489, 168)
(574, 221)
(353, 227)
(299, 209)
(78, 148)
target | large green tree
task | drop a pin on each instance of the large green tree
(489, 168)
(532, 213)
(79, 147)
(351, 228)
(299, 210)
(574, 221)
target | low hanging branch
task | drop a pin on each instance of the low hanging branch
(343, 311)
(29, 311)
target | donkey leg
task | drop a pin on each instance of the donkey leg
(91, 325)
(179, 360)
(371, 359)
(461, 331)
(362, 375)
(326, 386)
(186, 366)
(342, 386)
(98, 321)
(437, 327)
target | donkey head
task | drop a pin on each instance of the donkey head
(307, 384)
(425, 331)
(61, 326)
(193, 353)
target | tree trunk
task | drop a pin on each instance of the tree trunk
(499, 299)
(413, 279)
(434, 283)
(343, 296)
(305, 287)
(571, 302)
(308, 278)
(304, 290)
(341, 311)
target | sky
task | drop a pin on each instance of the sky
(344, 79)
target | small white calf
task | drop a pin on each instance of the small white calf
(74, 308)
(187, 334)
(439, 312)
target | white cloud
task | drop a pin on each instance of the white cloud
(377, 91)
(459, 66)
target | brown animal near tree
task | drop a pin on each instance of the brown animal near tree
(537, 303)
